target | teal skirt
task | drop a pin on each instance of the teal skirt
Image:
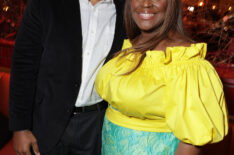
(117, 140)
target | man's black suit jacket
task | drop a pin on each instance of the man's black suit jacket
(46, 67)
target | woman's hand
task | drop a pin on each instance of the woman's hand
(187, 149)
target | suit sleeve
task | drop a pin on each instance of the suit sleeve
(24, 69)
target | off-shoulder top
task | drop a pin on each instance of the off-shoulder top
(177, 92)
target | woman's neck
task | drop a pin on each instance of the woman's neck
(173, 39)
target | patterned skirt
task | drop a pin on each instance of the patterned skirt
(117, 140)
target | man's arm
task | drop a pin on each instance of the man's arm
(25, 63)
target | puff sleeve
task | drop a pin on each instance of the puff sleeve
(196, 111)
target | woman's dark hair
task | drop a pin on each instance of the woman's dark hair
(171, 23)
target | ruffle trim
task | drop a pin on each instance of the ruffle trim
(176, 53)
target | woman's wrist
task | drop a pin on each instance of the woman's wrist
(187, 149)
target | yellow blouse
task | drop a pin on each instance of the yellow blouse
(179, 92)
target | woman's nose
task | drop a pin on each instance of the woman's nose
(147, 3)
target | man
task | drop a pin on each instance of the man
(60, 46)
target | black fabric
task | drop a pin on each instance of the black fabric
(46, 67)
(5, 134)
(95, 107)
(82, 136)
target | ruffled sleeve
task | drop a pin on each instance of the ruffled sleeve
(196, 111)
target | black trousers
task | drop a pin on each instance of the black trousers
(82, 136)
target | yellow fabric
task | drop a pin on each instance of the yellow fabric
(179, 92)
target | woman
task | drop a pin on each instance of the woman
(164, 97)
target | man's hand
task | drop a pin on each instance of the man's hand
(23, 141)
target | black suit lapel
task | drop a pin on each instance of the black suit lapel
(73, 28)
(119, 29)
(72, 21)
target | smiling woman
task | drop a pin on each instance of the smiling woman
(148, 15)
(163, 94)
(154, 25)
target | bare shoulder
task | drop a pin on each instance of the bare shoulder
(182, 42)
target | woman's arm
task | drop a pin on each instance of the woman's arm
(187, 149)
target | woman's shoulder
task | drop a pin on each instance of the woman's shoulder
(188, 48)
(183, 51)
(180, 41)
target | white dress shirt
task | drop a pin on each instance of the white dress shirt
(98, 26)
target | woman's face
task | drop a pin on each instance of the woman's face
(148, 14)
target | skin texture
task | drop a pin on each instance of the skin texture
(187, 149)
(24, 140)
(94, 2)
(148, 15)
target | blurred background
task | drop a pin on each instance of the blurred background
(210, 21)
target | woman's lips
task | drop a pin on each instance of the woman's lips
(146, 16)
